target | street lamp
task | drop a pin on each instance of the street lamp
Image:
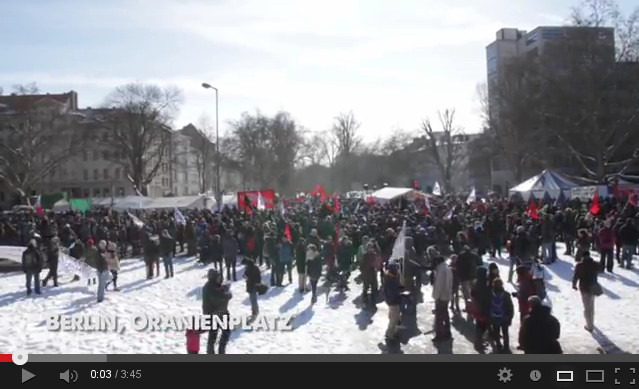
(218, 191)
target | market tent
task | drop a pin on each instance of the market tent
(121, 203)
(131, 202)
(387, 194)
(190, 202)
(547, 182)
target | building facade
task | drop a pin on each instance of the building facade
(511, 43)
(90, 171)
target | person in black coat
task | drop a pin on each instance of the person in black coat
(392, 295)
(481, 301)
(215, 302)
(540, 330)
(32, 266)
(253, 278)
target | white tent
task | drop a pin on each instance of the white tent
(546, 182)
(387, 194)
(61, 206)
(121, 203)
(190, 202)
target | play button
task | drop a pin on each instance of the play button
(26, 376)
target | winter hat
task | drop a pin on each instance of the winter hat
(102, 244)
(90, 242)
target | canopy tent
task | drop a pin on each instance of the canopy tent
(228, 200)
(190, 202)
(121, 203)
(388, 194)
(545, 183)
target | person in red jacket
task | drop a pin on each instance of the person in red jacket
(606, 246)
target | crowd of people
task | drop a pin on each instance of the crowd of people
(445, 244)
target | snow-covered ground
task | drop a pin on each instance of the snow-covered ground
(336, 324)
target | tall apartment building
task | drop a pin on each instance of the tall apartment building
(514, 43)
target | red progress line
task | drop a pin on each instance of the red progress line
(6, 358)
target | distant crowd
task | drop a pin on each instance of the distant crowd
(444, 243)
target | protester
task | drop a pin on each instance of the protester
(501, 316)
(53, 256)
(253, 278)
(215, 299)
(540, 330)
(230, 249)
(286, 261)
(32, 266)
(167, 245)
(393, 300)
(606, 244)
(480, 307)
(300, 264)
(314, 269)
(102, 268)
(628, 237)
(442, 294)
(113, 263)
(586, 276)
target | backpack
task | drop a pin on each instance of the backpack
(29, 261)
(497, 308)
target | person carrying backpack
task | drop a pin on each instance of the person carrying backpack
(501, 316)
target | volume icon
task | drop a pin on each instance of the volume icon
(69, 376)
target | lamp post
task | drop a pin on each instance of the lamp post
(218, 191)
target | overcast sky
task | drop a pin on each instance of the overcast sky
(391, 62)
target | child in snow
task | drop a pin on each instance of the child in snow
(193, 341)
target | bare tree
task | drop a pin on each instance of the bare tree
(606, 13)
(139, 132)
(444, 148)
(590, 87)
(26, 89)
(204, 154)
(33, 144)
(347, 140)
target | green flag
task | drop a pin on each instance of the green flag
(81, 205)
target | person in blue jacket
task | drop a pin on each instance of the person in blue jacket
(286, 260)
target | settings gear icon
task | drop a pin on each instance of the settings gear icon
(505, 375)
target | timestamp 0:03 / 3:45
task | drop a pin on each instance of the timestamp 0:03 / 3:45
(116, 374)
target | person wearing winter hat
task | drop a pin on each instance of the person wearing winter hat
(253, 278)
(392, 294)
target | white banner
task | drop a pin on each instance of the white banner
(586, 193)
(66, 263)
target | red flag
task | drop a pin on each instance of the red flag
(370, 199)
(532, 209)
(594, 207)
(287, 232)
(415, 184)
(336, 201)
(632, 199)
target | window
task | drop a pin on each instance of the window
(106, 192)
(52, 174)
(121, 192)
(105, 137)
(117, 173)
(85, 193)
(106, 173)
(85, 174)
(95, 155)
(96, 192)
(63, 173)
(106, 155)
(85, 155)
(96, 174)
